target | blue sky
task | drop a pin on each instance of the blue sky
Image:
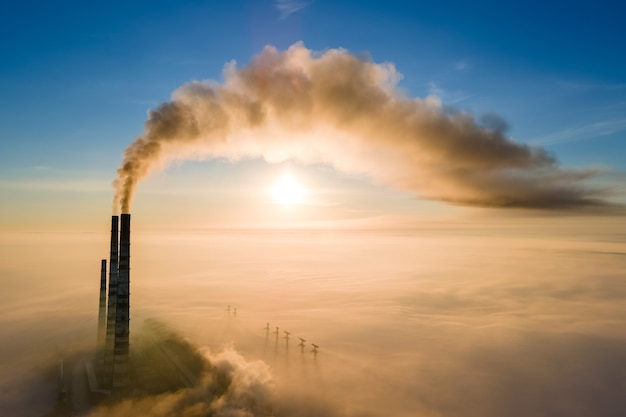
(77, 78)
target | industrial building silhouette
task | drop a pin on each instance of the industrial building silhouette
(112, 351)
(161, 360)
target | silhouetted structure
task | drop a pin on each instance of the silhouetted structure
(102, 314)
(114, 370)
(122, 310)
(109, 347)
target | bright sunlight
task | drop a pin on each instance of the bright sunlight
(288, 191)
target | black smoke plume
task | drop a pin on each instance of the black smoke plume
(346, 111)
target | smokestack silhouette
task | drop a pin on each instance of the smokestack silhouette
(109, 347)
(122, 310)
(102, 314)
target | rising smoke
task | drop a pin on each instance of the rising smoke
(339, 109)
(233, 388)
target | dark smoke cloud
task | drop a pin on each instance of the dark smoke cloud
(346, 111)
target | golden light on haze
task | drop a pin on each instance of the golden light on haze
(398, 314)
(219, 194)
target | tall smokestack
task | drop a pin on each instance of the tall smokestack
(109, 345)
(122, 310)
(102, 314)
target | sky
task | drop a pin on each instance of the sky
(450, 228)
(79, 79)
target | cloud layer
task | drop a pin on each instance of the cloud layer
(476, 319)
(345, 111)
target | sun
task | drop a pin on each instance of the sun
(288, 191)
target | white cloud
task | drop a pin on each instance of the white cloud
(460, 65)
(449, 97)
(288, 7)
(582, 132)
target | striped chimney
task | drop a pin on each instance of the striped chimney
(102, 314)
(122, 310)
(109, 345)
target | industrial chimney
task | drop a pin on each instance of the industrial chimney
(122, 310)
(109, 345)
(102, 314)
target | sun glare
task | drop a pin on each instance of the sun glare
(287, 191)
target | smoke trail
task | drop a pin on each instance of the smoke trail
(233, 387)
(338, 109)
